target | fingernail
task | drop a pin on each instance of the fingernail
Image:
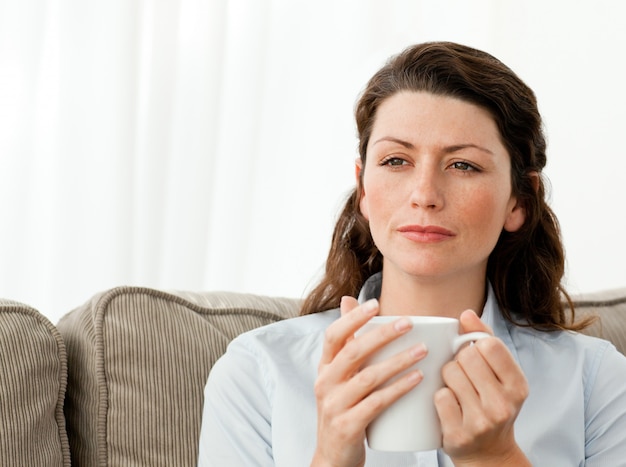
(369, 306)
(403, 324)
(419, 351)
(415, 376)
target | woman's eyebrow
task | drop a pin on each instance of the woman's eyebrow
(460, 147)
(391, 139)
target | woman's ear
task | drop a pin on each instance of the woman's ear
(516, 218)
(358, 169)
(358, 166)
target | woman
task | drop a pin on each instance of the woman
(448, 218)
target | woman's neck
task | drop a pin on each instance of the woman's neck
(407, 295)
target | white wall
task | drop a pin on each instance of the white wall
(118, 171)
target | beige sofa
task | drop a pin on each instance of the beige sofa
(119, 381)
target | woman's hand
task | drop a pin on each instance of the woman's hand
(485, 390)
(349, 396)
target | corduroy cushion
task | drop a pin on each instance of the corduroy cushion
(610, 308)
(33, 376)
(138, 361)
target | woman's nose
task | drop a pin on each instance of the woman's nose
(427, 191)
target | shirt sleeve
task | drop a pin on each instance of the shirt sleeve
(236, 420)
(605, 417)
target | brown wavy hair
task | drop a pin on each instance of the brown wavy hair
(526, 267)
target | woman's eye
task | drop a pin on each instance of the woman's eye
(394, 162)
(463, 166)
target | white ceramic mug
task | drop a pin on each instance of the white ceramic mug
(411, 423)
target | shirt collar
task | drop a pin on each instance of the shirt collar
(371, 288)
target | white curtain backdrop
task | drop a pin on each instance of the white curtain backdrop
(208, 145)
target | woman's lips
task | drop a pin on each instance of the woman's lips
(425, 234)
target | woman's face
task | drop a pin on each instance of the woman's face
(436, 187)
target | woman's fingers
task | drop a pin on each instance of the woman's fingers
(356, 352)
(470, 322)
(383, 383)
(449, 410)
(350, 394)
(343, 329)
(373, 376)
(348, 304)
(494, 375)
(503, 364)
(485, 389)
(375, 388)
(343, 369)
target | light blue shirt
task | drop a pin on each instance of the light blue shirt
(260, 406)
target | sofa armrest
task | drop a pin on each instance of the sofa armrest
(33, 377)
(138, 361)
(610, 309)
